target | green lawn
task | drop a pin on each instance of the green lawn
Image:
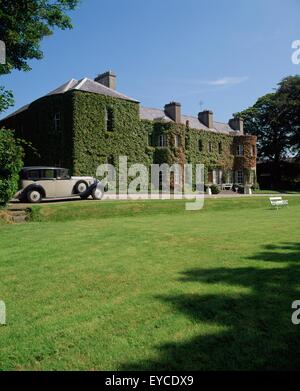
(277, 192)
(148, 285)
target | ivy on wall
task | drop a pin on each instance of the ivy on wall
(211, 159)
(93, 144)
(83, 140)
(36, 126)
(248, 160)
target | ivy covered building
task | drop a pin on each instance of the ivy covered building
(84, 123)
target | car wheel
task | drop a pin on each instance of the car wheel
(97, 194)
(34, 196)
(80, 187)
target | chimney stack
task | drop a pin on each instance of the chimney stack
(237, 124)
(173, 110)
(108, 79)
(207, 118)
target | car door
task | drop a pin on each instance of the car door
(64, 184)
(47, 181)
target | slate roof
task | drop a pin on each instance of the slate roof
(151, 114)
(154, 114)
(86, 85)
(89, 85)
(23, 108)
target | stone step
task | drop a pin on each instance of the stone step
(17, 215)
(17, 209)
(19, 219)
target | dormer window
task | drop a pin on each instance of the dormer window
(239, 150)
(57, 122)
(109, 119)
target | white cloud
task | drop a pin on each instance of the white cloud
(225, 81)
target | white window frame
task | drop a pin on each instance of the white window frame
(162, 140)
(240, 175)
(217, 176)
(239, 151)
(57, 121)
(229, 177)
(176, 141)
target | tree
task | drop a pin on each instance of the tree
(11, 162)
(289, 94)
(23, 25)
(6, 99)
(274, 119)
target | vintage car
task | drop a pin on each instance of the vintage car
(37, 183)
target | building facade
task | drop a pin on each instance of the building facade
(85, 123)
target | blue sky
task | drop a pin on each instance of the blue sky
(215, 54)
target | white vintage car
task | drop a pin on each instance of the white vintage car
(37, 183)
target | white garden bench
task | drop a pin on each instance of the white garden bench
(227, 186)
(278, 201)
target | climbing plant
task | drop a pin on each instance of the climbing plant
(83, 140)
(11, 161)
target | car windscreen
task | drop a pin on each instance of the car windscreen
(62, 174)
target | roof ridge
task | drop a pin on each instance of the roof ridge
(151, 108)
(80, 84)
(68, 84)
(111, 90)
(223, 123)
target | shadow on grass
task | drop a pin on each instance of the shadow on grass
(258, 333)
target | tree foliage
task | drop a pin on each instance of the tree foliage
(24, 23)
(6, 99)
(11, 162)
(289, 95)
(275, 120)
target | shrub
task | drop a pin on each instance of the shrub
(214, 189)
(255, 187)
(241, 189)
(238, 188)
(11, 162)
